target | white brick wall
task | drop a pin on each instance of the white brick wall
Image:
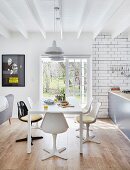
(107, 52)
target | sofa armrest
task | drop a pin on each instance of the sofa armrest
(7, 113)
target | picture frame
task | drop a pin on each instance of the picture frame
(13, 70)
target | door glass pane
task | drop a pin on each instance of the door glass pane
(54, 74)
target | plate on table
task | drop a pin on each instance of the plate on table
(49, 101)
(64, 103)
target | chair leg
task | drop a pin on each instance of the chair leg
(79, 137)
(54, 143)
(59, 150)
(47, 150)
(32, 138)
(54, 151)
(47, 157)
(87, 133)
(10, 121)
(52, 155)
(84, 128)
(88, 138)
(21, 140)
(59, 156)
(91, 140)
(62, 149)
(36, 138)
(24, 139)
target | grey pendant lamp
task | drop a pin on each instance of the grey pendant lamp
(54, 52)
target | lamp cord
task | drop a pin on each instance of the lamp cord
(54, 16)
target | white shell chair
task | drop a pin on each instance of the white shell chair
(86, 110)
(34, 115)
(89, 119)
(54, 123)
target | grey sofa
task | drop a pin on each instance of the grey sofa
(7, 113)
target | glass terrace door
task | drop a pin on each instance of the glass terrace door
(69, 75)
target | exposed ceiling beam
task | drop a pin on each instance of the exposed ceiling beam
(61, 26)
(33, 6)
(84, 16)
(123, 26)
(111, 10)
(12, 17)
(4, 32)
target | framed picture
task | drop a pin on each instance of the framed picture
(13, 70)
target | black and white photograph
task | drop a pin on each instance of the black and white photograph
(13, 70)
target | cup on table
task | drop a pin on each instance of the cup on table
(45, 106)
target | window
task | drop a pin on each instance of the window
(70, 74)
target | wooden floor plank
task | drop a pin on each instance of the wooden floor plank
(112, 154)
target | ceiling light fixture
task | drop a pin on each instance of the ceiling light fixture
(54, 52)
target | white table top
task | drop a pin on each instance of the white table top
(39, 107)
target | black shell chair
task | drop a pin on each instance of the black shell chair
(23, 116)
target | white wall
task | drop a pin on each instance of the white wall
(33, 48)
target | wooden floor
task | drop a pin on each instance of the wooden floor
(113, 152)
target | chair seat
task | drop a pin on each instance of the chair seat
(34, 118)
(86, 119)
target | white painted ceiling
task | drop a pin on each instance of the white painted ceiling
(77, 16)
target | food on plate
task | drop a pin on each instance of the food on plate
(64, 103)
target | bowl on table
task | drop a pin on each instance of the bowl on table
(49, 101)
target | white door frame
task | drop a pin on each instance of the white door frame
(89, 74)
